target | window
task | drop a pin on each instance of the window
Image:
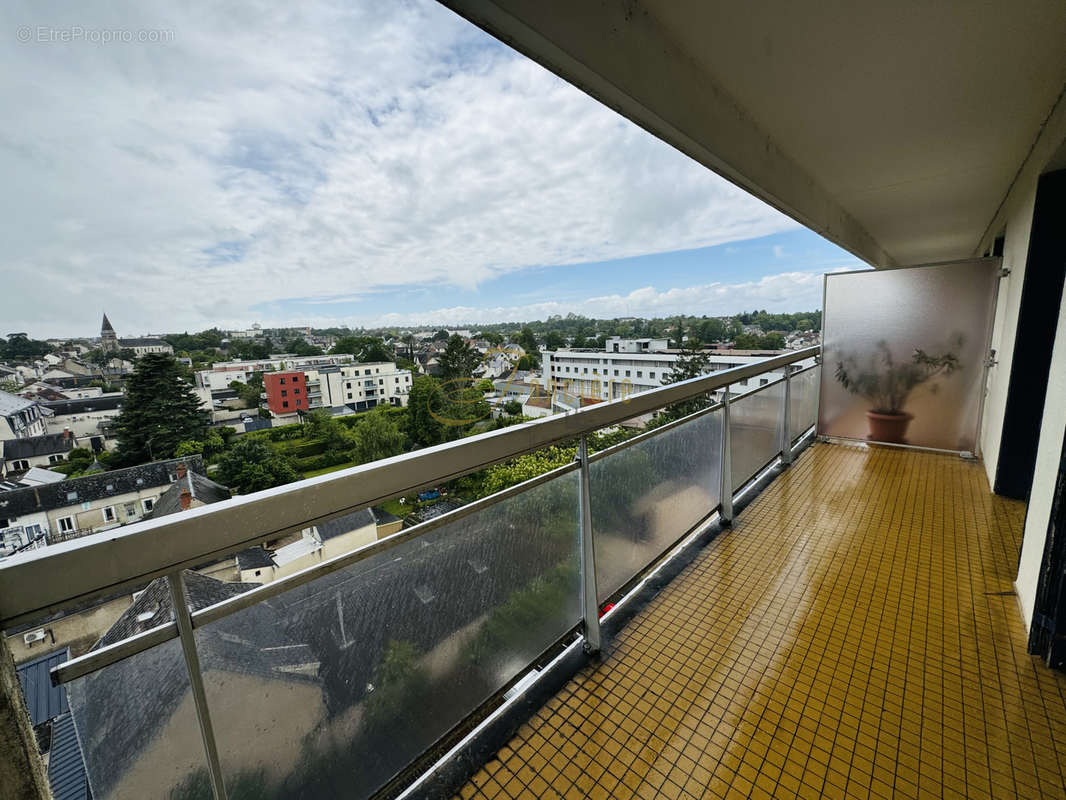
(20, 465)
(763, 381)
(109, 514)
(296, 390)
(381, 382)
(651, 375)
(130, 509)
(282, 381)
(349, 395)
(616, 373)
(72, 496)
(284, 393)
(640, 374)
(148, 502)
(366, 372)
(55, 459)
(66, 524)
(627, 373)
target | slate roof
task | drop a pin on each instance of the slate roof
(200, 487)
(345, 524)
(383, 517)
(33, 446)
(106, 326)
(83, 405)
(254, 558)
(430, 512)
(35, 499)
(43, 700)
(123, 709)
(11, 403)
(66, 765)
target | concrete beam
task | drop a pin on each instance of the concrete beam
(616, 51)
(22, 773)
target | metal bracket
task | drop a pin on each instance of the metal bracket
(991, 361)
(1003, 273)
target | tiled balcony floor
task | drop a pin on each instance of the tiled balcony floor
(854, 635)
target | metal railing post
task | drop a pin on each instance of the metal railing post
(786, 419)
(726, 512)
(196, 683)
(590, 601)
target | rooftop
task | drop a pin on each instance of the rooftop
(35, 446)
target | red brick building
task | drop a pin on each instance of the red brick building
(286, 392)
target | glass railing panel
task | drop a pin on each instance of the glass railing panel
(330, 689)
(755, 431)
(648, 495)
(803, 405)
(136, 724)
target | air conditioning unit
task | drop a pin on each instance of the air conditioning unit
(30, 637)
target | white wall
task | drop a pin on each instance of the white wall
(1008, 304)
(1049, 449)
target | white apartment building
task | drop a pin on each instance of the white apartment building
(629, 366)
(222, 374)
(358, 386)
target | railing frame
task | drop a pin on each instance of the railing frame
(55, 578)
(185, 622)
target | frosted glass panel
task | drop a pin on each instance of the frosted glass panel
(137, 727)
(647, 496)
(346, 680)
(904, 350)
(755, 431)
(803, 408)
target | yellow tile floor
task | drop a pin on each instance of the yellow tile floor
(854, 635)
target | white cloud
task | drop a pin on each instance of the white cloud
(269, 153)
(784, 292)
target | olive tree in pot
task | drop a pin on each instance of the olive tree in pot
(887, 384)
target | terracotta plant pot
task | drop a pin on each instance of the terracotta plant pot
(889, 428)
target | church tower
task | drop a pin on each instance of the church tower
(108, 340)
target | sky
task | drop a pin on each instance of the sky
(350, 163)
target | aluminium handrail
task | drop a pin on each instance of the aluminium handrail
(57, 577)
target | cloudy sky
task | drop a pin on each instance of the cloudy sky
(349, 163)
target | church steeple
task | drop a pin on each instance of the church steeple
(108, 340)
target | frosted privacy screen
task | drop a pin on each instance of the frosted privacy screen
(903, 353)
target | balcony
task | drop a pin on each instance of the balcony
(841, 622)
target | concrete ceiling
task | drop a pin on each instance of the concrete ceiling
(894, 129)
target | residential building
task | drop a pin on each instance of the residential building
(20, 418)
(628, 366)
(77, 507)
(18, 455)
(286, 392)
(358, 386)
(223, 373)
(89, 419)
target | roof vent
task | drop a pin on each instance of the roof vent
(146, 616)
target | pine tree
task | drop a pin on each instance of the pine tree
(159, 412)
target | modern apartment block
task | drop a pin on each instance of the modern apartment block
(357, 387)
(223, 373)
(629, 366)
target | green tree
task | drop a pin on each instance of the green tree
(251, 465)
(526, 339)
(691, 363)
(485, 386)
(364, 348)
(458, 359)
(440, 336)
(159, 412)
(553, 340)
(10, 385)
(580, 338)
(377, 436)
(512, 407)
(20, 347)
(492, 337)
(299, 346)
(423, 401)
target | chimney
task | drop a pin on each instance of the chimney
(185, 499)
(66, 433)
(181, 470)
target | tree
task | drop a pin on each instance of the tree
(491, 337)
(252, 466)
(691, 363)
(512, 407)
(553, 340)
(364, 348)
(10, 385)
(458, 359)
(249, 392)
(580, 338)
(485, 386)
(159, 412)
(299, 346)
(527, 340)
(20, 347)
(440, 336)
(423, 401)
(377, 436)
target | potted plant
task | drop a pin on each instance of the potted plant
(887, 384)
